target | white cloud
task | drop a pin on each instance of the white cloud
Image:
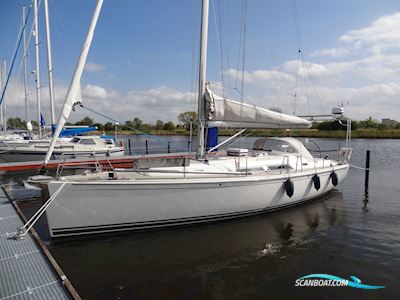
(337, 52)
(159, 103)
(380, 36)
(306, 69)
(150, 105)
(383, 30)
(260, 76)
(94, 92)
(93, 67)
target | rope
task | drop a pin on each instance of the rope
(28, 225)
(116, 122)
(360, 168)
(156, 138)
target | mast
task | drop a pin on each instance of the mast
(74, 87)
(38, 95)
(202, 78)
(25, 56)
(3, 107)
(49, 61)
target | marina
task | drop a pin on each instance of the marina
(230, 202)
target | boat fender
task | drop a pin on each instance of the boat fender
(112, 175)
(289, 187)
(316, 181)
(334, 178)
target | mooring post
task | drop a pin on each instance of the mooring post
(147, 147)
(129, 147)
(169, 147)
(367, 172)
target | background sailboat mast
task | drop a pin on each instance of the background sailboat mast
(49, 61)
(74, 87)
(38, 94)
(202, 78)
(25, 56)
(3, 105)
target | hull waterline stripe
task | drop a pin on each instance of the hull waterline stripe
(170, 222)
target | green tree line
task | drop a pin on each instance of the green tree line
(186, 119)
(368, 123)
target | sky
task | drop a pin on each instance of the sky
(144, 56)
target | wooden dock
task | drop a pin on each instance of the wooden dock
(27, 269)
(117, 162)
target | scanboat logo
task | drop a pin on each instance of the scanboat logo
(331, 280)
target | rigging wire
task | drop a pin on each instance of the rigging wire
(17, 46)
(298, 37)
(19, 91)
(301, 63)
(218, 35)
(306, 74)
(225, 37)
(296, 82)
(296, 24)
(117, 122)
(242, 20)
(243, 39)
(300, 58)
(234, 89)
(243, 48)
(284, 80)
(195, 62)
(60, 28)
(318, 96)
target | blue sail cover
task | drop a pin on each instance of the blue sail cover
(74, 131)
(212, 137)
(42, 121)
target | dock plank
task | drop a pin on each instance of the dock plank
(25, 273)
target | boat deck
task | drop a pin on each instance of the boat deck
(27, 271)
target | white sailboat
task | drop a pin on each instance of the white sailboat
(78, 146)
(276, 173)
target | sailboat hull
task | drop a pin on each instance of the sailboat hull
(115, 205)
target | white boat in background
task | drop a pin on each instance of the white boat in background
(34, 150)
(23, 145)
(276, 173)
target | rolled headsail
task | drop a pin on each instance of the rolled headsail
(74, 89)
(223, 112)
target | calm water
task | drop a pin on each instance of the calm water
(255, 257)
